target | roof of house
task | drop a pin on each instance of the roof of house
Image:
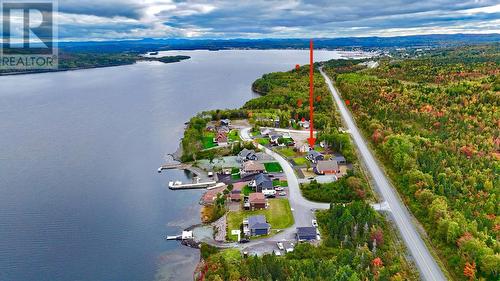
(340, 158)
(257, 198)
(327, 165)
(307, 231)
(227, 121)
(210, 196)
(246, 153)
(253, 166)
(238, 186)
(257, 222)
(235, 196)
(314, 153)
(221, 137)
(263, 181)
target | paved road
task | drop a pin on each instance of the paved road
(429, 270)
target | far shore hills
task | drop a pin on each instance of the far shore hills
(79, 61)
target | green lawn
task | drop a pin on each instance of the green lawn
(235, 174)
(262, 141)
(246, 190)
(278, 214)
(299, 161)
(273, 167)
(233, 136)
(287, 152)
(277, 182)
(208, 140)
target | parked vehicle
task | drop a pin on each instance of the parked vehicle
(244, 240)
(277, 253)
(282, 193)
(280, 246)
(315, 223)
(279, 188)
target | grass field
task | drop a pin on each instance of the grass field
(273, 167)
(300, 161)
(246, 190)
(287, 152)
(233, 136)
(262, 141)
(208, 140)
(278, 214)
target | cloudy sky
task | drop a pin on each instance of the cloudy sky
(127, 19)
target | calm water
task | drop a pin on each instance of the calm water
(80, 198)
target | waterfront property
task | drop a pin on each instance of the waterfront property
(256, 225)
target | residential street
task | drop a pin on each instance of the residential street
(426, 264)
(302, 208)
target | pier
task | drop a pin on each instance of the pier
(197, 185)
(180, 166)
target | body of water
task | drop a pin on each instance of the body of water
(80, 197)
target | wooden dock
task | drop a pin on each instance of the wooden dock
(180, 166)
(197, 185)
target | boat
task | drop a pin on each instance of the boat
(173, 184)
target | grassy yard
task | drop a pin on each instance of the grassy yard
(233, 136)
(246, 190)
(208, 140)
(262, 141)
(278, 214)
(273, 167)
(287, 152)
(300, 161)
(235, 174)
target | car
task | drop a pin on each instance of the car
(318, 237)
(279, 188)
(282, 193)
(280, 246)
(315, 223)
(277, 253)
(244, 240)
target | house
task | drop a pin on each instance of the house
(304, 124)
(210, 196)
(314, 156)
(306, 233)
(265, 131)
(340, 160)
(274, 138)
(252, 167)
(256, 225)
(262, 182)
(247, 154)
(221, 138)
(235, 194)
(304, 148)
(223, 129)
(327, 167)
(257, 201)
(225, 122)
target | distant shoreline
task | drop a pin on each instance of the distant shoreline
(165, 59)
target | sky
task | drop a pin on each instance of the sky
(135, 19)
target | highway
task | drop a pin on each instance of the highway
(427, 266)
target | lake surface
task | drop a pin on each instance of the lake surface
(80, 197)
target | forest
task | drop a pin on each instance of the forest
(434, 123)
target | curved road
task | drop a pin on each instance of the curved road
(429, 269)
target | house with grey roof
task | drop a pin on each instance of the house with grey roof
(256, 225)
(306, 233)
(262, 182)
(247, 154)
(314, 156)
